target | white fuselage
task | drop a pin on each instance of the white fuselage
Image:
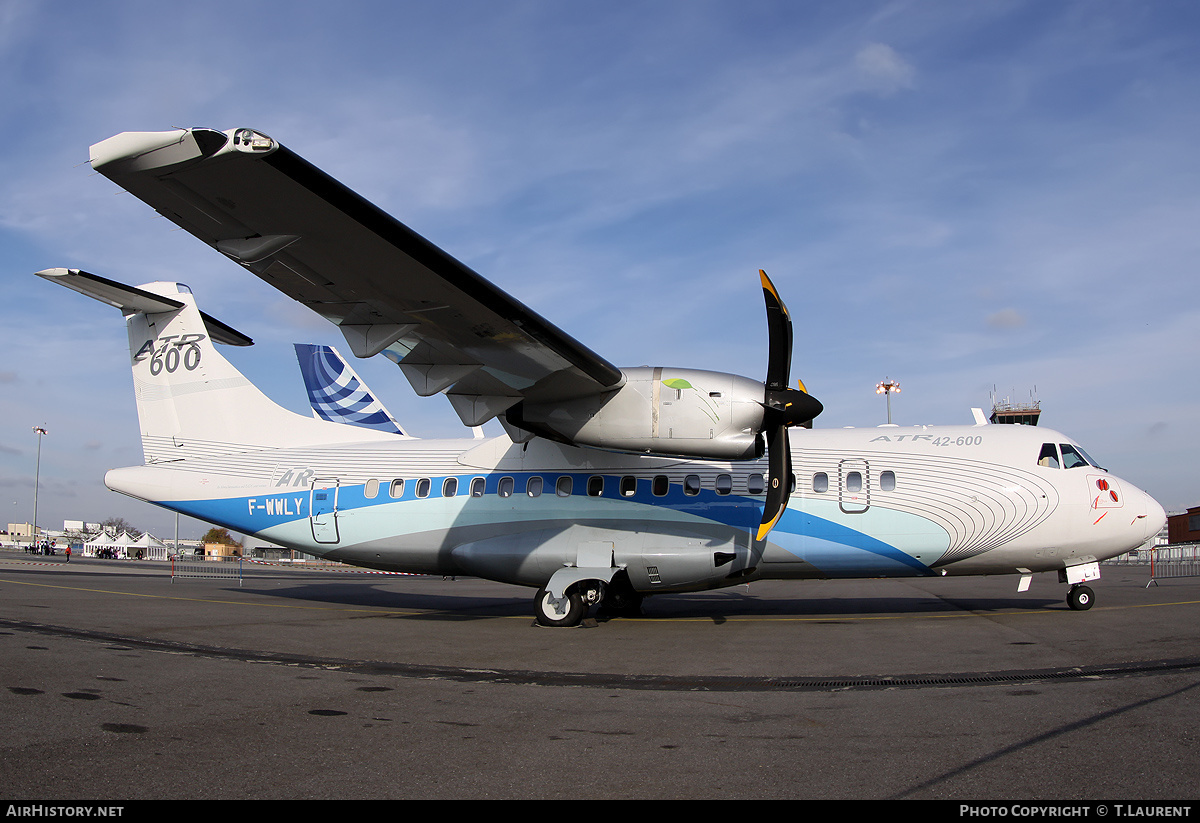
(868, 502)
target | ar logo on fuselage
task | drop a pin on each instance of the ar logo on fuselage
(172, 354)
(296, 477)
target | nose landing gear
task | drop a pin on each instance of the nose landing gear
(1080, 598)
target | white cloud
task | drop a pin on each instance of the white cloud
(1006, 319)
(884, 69)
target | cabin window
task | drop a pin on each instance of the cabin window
(534, 487)
(423, 486)
(820, 482)
(450, 487)
(505, 489)
(691, 485)
(1048, 456)
(661, 485)
(371, 489)
(563, 487)
(887, 481)
(754, 484)
(628, 486)
(595, 486)
(853, 482)
(478, 486)
(724, 484)
(396, 489)
(1072, 459)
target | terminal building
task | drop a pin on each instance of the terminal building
(1184, 527)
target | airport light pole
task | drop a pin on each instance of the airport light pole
(37, 476)
(886, 388)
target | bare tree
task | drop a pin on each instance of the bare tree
(116, 525)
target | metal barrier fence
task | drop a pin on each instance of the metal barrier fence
(1181, 560)
(210, 568)
(1140, 557)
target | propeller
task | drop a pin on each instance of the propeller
(782, 407)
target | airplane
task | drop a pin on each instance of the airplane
(608, 484)
(337, 393)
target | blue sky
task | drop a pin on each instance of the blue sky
(965, 197)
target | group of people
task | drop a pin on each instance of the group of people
(110, 553)
(106, 552)
(48, 547)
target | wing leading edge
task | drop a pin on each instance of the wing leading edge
(389, 290)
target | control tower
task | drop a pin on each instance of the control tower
(1023, 414)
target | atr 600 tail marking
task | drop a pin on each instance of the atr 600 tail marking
(610, 484)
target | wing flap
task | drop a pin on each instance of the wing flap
(321, 244)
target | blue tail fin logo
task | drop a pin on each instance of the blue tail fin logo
(337, 394)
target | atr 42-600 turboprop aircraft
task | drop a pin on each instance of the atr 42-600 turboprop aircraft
(609, 485)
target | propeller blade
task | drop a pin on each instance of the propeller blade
(783, 407)
(779, 336)
(779, 487)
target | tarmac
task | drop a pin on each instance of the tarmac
(119, 683)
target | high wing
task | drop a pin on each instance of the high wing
(388, 289)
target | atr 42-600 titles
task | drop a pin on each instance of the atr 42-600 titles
(610, 484)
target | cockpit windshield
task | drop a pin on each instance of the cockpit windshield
(1072, 457)
(1089, 459)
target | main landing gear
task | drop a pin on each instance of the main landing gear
(560, 613)
(617, 599)
(1080, 598)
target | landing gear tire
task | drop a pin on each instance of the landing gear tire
(620, 599)
(1080, 598)
(563, 613)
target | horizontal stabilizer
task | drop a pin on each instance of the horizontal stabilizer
(131, 300)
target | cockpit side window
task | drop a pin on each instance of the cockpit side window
(1072, 459)
(1049, 456)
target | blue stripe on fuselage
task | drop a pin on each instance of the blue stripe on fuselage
(816, 540)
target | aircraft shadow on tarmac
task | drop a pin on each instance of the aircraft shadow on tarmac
(426, 605)
(716, 606)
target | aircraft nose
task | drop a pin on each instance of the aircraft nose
(1154, 516)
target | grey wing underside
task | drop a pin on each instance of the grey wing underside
(390, 291)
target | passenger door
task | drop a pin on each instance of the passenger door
(322, 508)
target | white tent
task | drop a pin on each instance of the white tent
(118, 545)
(150, 547)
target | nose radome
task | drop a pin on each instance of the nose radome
(1154, 517)
(1158, 518)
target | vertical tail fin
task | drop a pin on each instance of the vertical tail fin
(191, 401)
(338, 394)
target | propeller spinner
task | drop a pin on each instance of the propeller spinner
(783, 407)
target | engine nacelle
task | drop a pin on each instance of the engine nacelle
(680, 412)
